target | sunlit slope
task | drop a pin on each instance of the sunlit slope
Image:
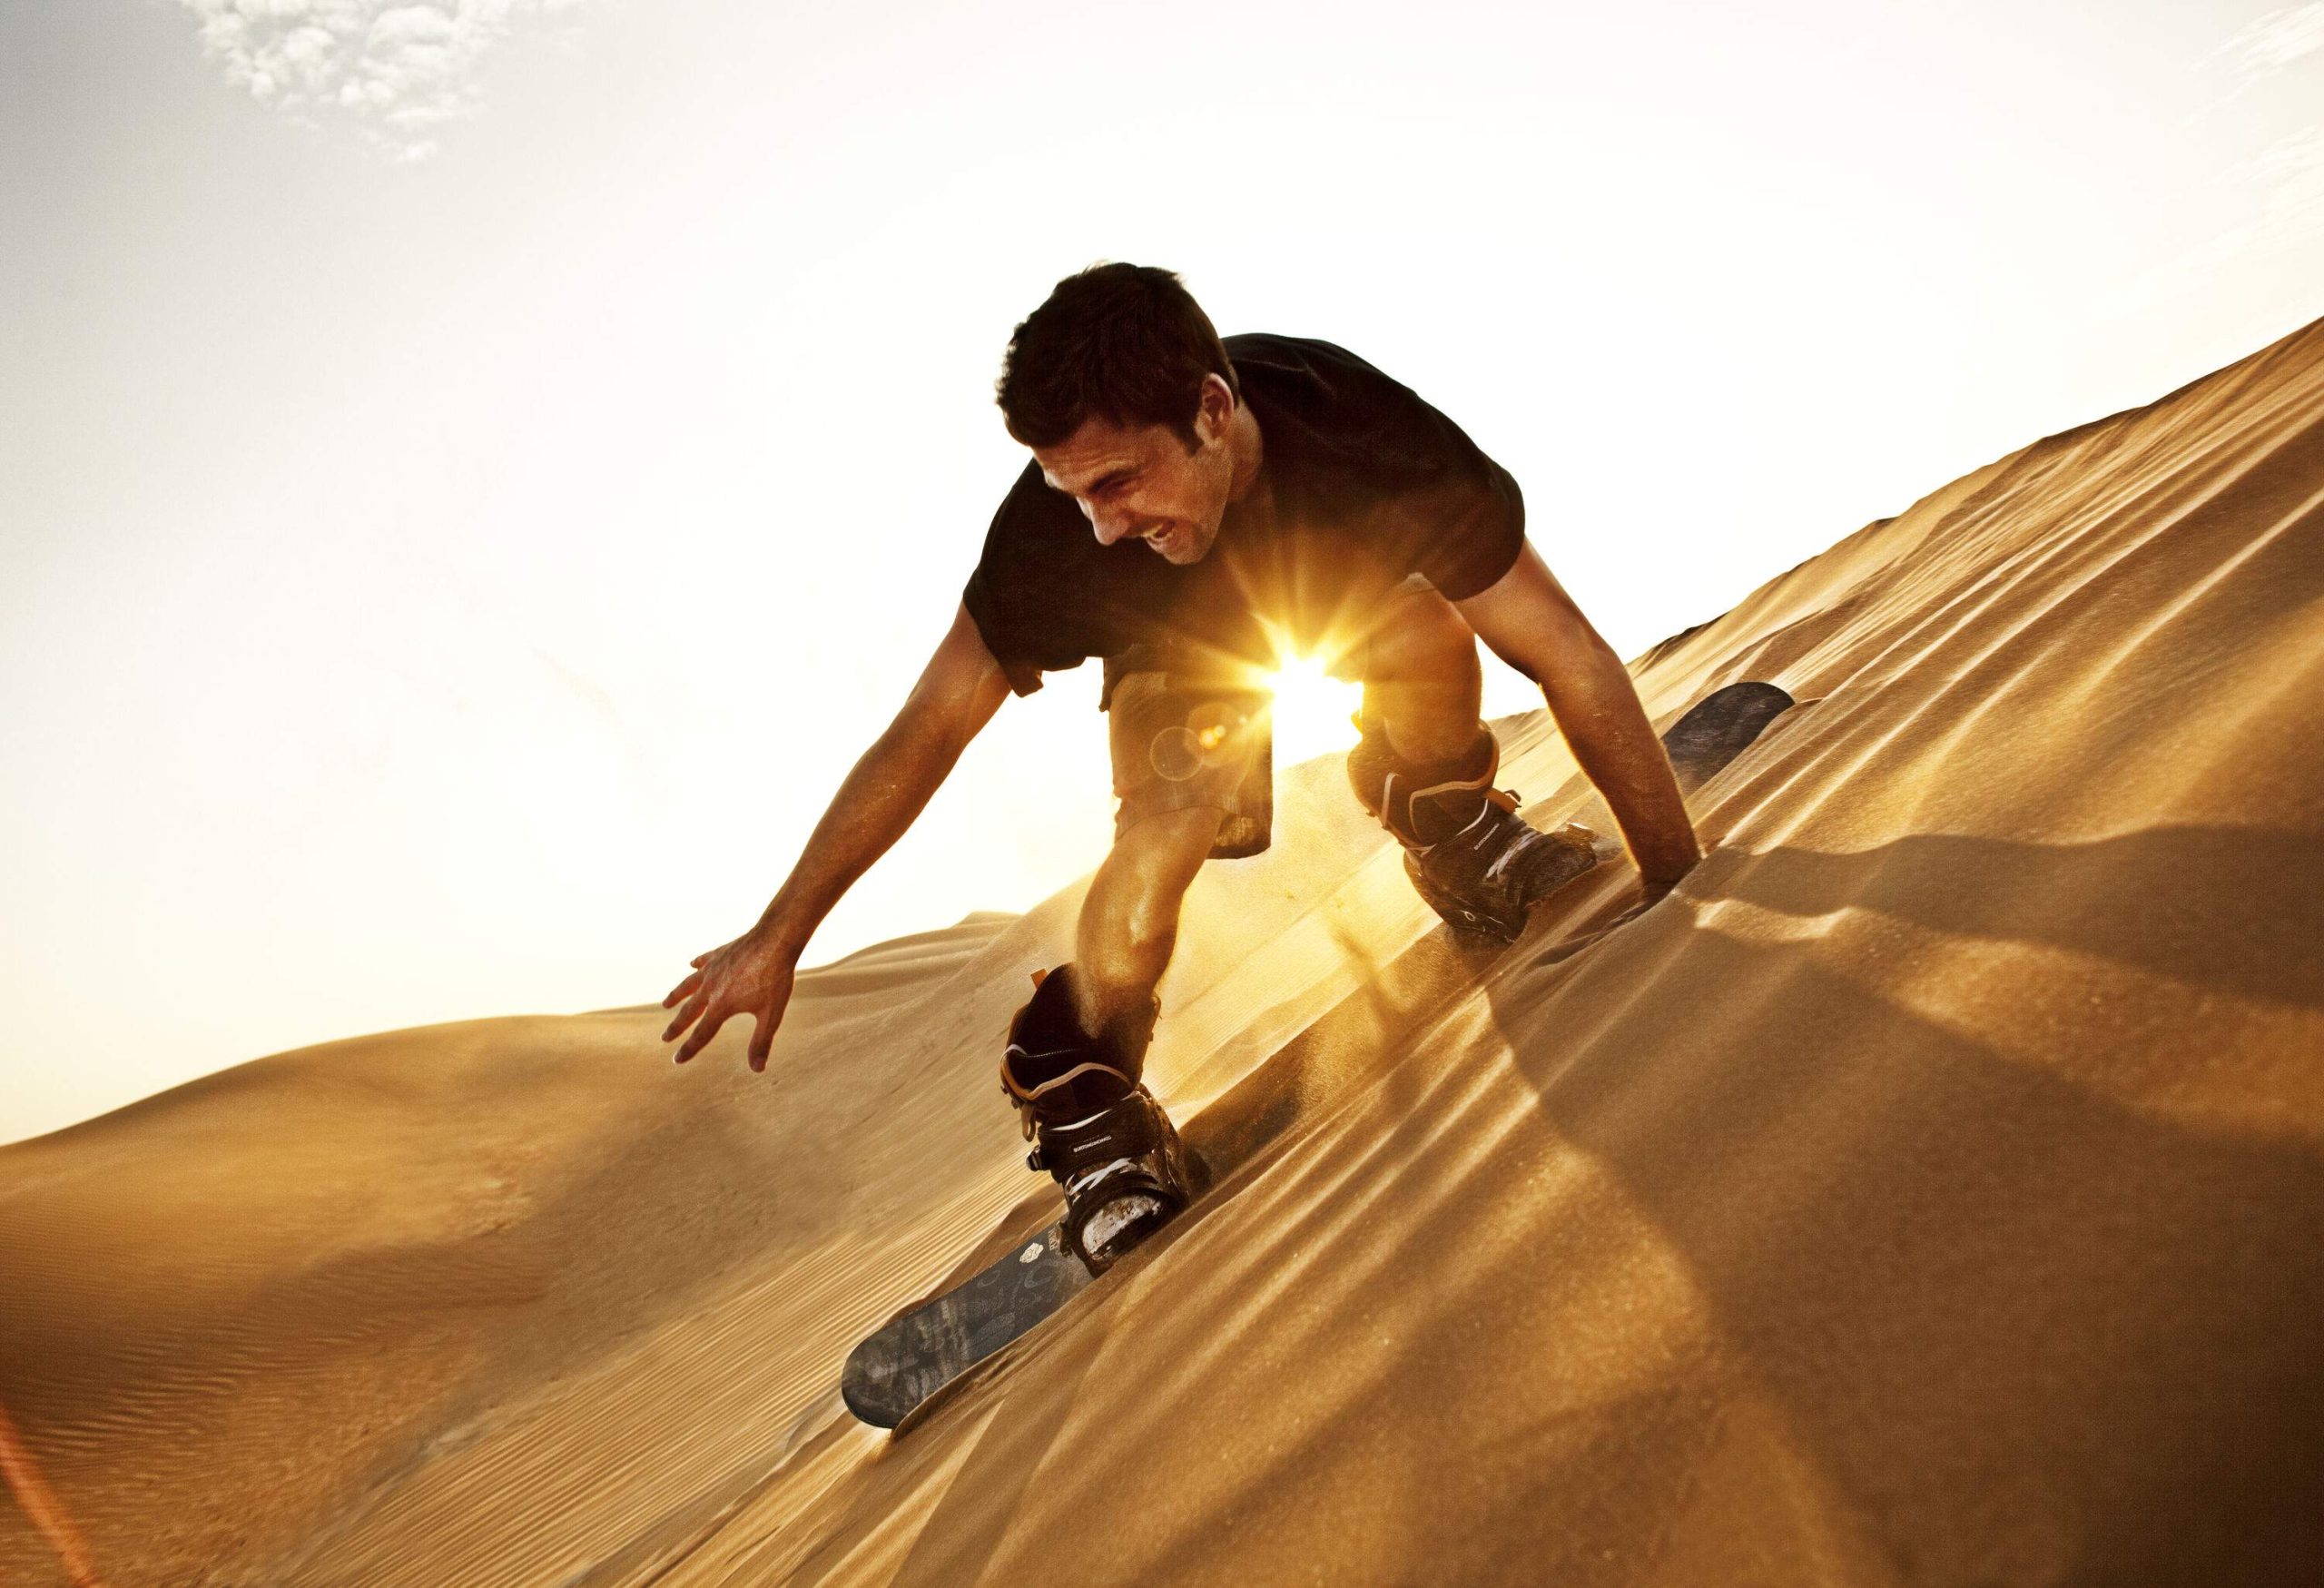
(1932, 1192)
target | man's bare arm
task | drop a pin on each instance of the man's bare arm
(1530, 623)
(957, 695)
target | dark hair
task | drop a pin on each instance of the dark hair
(1122, 343)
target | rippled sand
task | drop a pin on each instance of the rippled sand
(1931, 1192)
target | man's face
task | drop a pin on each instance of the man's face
(1141, 483)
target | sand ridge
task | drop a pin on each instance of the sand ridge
(1932, 1192)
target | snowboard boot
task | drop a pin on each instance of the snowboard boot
(1477, 863)
(1098, 1131)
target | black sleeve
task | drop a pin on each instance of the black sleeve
(1478, 535)
(1455, 517)
(1463, 512)
(1014, 595)
(1024, 676)
(1446, 511)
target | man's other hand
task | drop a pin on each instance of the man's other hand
(752, 975)
(1651, 891)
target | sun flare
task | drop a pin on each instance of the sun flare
(1314, 712)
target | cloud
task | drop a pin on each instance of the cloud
(2278, 191)
(2290, 177)
(2286, 211)
(2276, 40)
(396, 72)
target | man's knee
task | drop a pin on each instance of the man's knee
(1421, 684)
(1167, 842)
(1130, 916)
(1421, 637)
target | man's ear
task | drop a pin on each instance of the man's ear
(1215, 408)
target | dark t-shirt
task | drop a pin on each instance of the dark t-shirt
(1361, 484)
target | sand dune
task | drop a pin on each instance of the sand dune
(1931, 1192)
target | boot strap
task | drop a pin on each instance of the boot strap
(1127, 1129)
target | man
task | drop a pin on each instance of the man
(1192, 506)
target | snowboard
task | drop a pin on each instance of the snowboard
(897, 1369)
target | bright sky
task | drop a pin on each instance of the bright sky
(473, 475)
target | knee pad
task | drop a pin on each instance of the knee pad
(1369, 765)
(1420, 803)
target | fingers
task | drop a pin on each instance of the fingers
(703, 1033)
(762, 1039)
(687, 1017)
(684, 989)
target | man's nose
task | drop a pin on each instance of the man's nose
(1110, 521)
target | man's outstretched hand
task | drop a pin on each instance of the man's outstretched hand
(752, 975)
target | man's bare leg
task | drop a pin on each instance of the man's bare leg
(1130, 920)
(1077, 1050)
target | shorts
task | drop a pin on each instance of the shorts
(1180, 744)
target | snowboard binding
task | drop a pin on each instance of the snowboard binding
(1470, 855)
(1098, 1133)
